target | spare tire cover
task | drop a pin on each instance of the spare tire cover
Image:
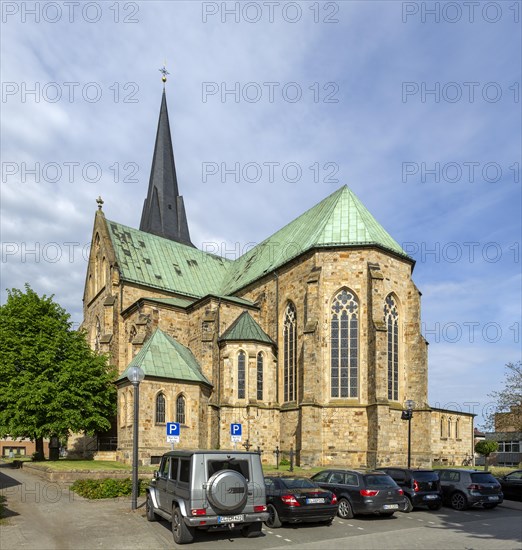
(227, 490)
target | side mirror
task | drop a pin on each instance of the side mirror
(155, 474)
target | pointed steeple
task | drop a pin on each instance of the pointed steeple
(163, 210)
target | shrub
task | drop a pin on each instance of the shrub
(284, 462)
(37, 457)
(107, 488)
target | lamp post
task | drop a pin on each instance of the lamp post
(407, 415)
(135, 376)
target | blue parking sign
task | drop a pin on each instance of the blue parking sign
(236, 429)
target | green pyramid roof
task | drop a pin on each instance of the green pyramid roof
(244, 328)
(338, 220)
(157, 262)
(164, 357)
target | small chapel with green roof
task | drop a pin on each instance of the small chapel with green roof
(311, 340)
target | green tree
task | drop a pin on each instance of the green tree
(507, 412)
(51, 382)
(485, 448)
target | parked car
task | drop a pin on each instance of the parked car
(421, 487)
(362, 493)
(297, 500)
(208, 490)
(512, 485)
(462, 489)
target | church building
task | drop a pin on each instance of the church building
(311, 339)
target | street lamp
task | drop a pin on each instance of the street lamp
(407, 415)
(135, 376)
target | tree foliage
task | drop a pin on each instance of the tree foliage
(507, 412)
(485, 447)
(51, 382)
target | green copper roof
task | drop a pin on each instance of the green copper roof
(179, 302)
(165, 357)
(244, 328)
(161, 263)
(338, 220)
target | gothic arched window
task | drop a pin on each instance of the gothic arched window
(260, 376)
(97, 335)
(290, 353)
(241, 374)
(344, 345)
(160, 408)
(180, 410)
(391, 319)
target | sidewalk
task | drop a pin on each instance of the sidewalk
(46, 515)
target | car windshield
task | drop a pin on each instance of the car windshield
(483, 478)
(379, 481)
(425, 476)
(298, 483)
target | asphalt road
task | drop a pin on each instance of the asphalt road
(44, 515)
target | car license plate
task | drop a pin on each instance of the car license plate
(391, 507)
(315, 501)
(493, 498)
(431, 497)
(231, 519)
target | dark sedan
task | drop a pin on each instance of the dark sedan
(362, 493)
(297, 500)
(512, 485)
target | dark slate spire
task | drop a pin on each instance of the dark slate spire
(163, 211)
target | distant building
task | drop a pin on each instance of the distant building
(311, 340)
(509, 438)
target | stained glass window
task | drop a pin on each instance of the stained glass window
(241, 373)
(260, 376)
(391, 319)
(290, 353)
(180, 410)
(344, 345)
(160, 409)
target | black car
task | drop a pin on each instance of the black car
(463, 489)
(512, 485)
(421, 487)
(362, 493)
(297, 500)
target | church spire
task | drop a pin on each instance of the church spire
(163, 210)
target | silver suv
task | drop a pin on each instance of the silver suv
(208, 490)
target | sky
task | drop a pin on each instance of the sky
(273, 106)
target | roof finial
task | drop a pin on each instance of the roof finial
(164, 73)
(99, 201)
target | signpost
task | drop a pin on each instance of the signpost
(236, 431)
(173, 433)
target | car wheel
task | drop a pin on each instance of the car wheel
(182, 533)
(435, 506)
(252, 530)
(345, 509)
(489, 506)
(273, 520)
(409, 505)
(458, 501)
(149, 508)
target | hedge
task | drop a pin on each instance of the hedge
(107, 488)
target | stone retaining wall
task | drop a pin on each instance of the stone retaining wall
(70, 476)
